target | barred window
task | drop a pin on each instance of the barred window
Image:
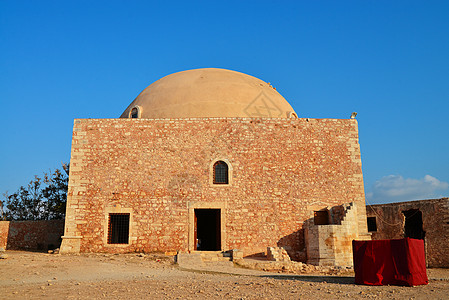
(118, 229)
(221, 173)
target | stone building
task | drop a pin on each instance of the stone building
(214, 160)
(425, 219)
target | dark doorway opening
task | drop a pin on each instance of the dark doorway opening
(207, 230)
(413, 224)
(372, 225)
(321, 217)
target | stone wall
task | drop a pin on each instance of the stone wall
(4, 229)
(31, 235)
(331, 245)
(390, 222)
(160, 170)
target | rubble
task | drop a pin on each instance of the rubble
(3, 255)
(277, 254)
(292, 267)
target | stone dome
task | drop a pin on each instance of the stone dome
(203, 93)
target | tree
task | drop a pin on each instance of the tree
(56, 193)
(42, 199)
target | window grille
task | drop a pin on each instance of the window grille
(118, 229)
(221, 173)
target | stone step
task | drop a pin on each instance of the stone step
(219, 264)
(214, 255)
(189, 259)
(198, 258)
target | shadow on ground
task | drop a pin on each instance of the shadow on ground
(311, 278)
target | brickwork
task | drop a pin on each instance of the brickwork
(31, 235)
(390, 222)
(159, 171)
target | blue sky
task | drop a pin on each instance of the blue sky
(386, 60)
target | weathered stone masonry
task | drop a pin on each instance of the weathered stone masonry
(31, 235)
(159, 171)
(434, 215)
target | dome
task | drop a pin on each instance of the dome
(203, 93)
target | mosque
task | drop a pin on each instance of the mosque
(215, 160)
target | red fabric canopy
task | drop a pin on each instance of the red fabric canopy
(396, 262)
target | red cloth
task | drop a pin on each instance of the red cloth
(395, 262)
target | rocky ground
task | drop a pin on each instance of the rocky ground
(28, 275)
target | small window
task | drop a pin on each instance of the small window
(118, 229)
(321, 217)
(292, 115)
(371, 222)
(221, 173)
(134, 113)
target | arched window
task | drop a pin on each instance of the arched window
(221, 173)
(292, 115)
(134, 113)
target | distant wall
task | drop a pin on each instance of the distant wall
(31, 235)
(390, 222)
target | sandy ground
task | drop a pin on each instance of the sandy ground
(28, 275)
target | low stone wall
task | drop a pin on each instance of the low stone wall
(434, 215)
(31, 235)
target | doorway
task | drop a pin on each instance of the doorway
(207, 230)
(413, 224)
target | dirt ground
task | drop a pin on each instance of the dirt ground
(29, 275)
